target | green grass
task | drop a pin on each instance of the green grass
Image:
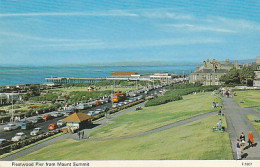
(28, 146)
(248, 98)
(191, 141)
(157, 116)
(255, 124)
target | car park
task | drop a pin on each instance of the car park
(10, 127)
(52, 126)
(19, 136)
(61, 123)
(36, 131)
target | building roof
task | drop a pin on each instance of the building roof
(212, 71)
(77, 117)
(124, 73)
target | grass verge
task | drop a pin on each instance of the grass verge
(255, 124)
(157, 116)
(248, 98)
(194, 140)
(28, 146)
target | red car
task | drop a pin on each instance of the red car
(53, 126)
(47, 117)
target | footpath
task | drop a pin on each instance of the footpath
(237, 123)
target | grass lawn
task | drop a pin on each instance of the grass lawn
(191, 141)
(255, 124)
(157, 116)
(248, 98)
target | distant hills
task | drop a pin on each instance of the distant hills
(130, 63)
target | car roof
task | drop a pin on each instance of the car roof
(37, 128)
(20, 133)
(2, 140)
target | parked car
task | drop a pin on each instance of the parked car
(19, 136)
(4, 142)
(61, 123)
(27, 125)
(52, 126)
(10, 127)
(91, 113)
(36, 120)
(121, 104)
(115, 105)
(67, 113)
(56, 114)
(47, 117)
(36, 131)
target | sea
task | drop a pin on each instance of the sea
(12, 75)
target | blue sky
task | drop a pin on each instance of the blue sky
(44, 32)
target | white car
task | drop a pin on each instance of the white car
(56, 114)
(91, 113)
(36, 131)
(10, 127)
(60, 123)
(19, 136)
(115, 105)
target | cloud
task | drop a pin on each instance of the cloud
(129, 44)
(166, 14)
(191, 27)
(111, 13)
(25, 36)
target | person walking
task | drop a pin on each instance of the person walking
(79, 134)
(82, 135)
(242, 139)
(238, 150)
(251, 139)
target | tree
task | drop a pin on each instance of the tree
(247, 75)
(231, 77)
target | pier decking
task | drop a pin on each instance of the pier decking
(66, 80)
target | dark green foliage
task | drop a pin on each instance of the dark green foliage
(77, 96)
(48, 97)
(244, 76)
(177, 91)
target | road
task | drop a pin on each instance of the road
(44, 125)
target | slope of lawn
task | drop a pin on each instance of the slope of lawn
(255, 124)
(248, 98)
(157, 116)
(194, 140)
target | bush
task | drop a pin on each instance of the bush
(177, 92)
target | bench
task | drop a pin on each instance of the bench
(218, 129)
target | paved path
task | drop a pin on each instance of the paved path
(238, 123)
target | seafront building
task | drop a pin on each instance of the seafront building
(256, 81)
(211, 71)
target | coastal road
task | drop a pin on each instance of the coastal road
(44, 125)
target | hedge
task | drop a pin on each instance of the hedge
(176, 94)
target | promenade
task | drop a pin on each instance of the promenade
(237, 123)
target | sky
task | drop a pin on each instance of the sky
(44, 32)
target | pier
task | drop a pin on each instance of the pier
(67, 80)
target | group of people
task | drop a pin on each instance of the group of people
(241, 142)
(81, 134)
